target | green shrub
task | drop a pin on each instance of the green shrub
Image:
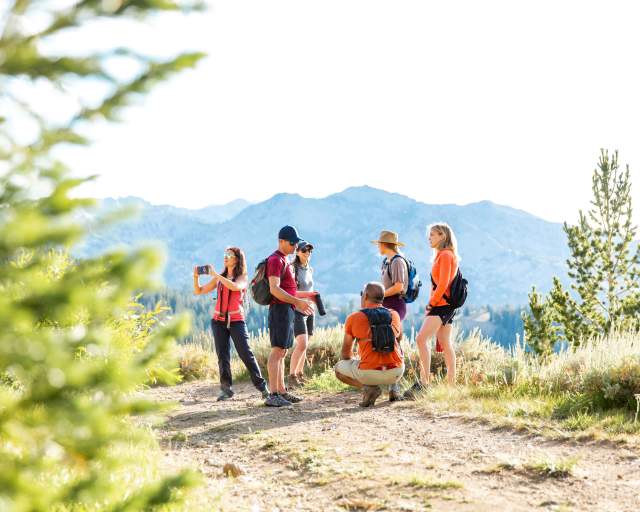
(197, 363)
(615, 386)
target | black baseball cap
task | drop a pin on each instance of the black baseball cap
(290, 234)
(303, 244)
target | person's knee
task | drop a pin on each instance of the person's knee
(278, 352)
(346, 379)
(446, 344)
(422, 342)
(422, 337)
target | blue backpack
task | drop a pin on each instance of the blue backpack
(413, 288)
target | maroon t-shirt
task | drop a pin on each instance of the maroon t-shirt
(275, 265)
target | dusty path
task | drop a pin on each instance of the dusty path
(329, 454)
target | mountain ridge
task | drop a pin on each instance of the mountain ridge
(504, 250)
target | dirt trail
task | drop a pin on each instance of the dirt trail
(329, 454)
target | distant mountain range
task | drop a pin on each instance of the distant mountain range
(504, 250)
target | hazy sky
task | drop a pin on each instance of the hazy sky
(446, 102)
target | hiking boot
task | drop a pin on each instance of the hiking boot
(225, 394)
(294, 399)
(294, 382)
(395, 396)
(414, 391)
(275, 400)
(370, 395)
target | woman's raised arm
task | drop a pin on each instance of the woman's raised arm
(207, 288)
(235, 286)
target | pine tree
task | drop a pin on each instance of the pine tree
(604, 267)
(64, 400)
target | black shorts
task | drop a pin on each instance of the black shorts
(446, 313)
(303, 324)
(281, 325)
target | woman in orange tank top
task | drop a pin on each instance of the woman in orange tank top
(228, 323)
(439, 314)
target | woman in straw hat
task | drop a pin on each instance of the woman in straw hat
(395, 279)
(394, 272)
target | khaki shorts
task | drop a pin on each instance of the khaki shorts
(351, 368)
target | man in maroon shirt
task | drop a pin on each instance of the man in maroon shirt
(286, 299)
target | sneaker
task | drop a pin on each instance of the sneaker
(225, 394)
(294, 382)
(265, 393)
(414, 391)
(275, 400)
(294, 399)
(395, 396)
(370, 395)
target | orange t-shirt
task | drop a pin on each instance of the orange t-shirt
(357, 325)
(443, 271)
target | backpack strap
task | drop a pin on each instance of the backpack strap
(265, 263)
(377, 316)
(284, 268)
(388, 264)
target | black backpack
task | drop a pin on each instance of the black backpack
(414, 283)
(260, 289)
(458, 295)
(383, 339)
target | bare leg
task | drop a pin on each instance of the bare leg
(281, 386)
(348, 380)
(444, 335)
(276, 357)
(303, 357)
(298, 356)
(429, 327)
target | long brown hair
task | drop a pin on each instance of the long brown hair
(240, 269)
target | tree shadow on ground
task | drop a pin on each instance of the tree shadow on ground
(221, 425)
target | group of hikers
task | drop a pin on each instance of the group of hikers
(288, 289)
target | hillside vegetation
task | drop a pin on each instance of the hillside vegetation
(589, 388)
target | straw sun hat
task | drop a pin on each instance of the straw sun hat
(388, 237)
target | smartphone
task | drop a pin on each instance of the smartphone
(202, 269)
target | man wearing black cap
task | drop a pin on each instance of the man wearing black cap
(282, 284)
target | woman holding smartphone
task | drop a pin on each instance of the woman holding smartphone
(228, 322)
(303, 324)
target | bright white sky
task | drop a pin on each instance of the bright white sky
(446, 102)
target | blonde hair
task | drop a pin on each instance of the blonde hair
(448, 242)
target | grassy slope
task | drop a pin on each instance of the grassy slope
(588, 391)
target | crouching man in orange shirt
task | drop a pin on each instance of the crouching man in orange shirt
(381, 362)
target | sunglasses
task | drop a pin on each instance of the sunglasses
(229, 255)
(306, 251)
